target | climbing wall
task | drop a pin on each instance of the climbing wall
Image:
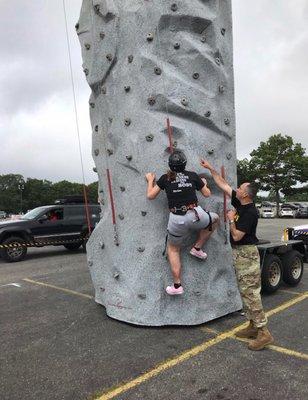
(146, 60)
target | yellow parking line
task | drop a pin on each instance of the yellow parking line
(87, 296)
(290, 291)
(165, 365)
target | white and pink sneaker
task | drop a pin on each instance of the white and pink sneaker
(173, 291)
(198, 253)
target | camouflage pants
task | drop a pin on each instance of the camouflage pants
(246, 262)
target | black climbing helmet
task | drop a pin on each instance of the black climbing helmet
(177, 161)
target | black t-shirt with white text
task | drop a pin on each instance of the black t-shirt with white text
(246, 220)
(181, 191)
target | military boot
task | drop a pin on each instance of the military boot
(248, 333)
(263, 339)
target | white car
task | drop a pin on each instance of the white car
(286, 213)
(267, 213)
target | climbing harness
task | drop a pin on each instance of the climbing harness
(183, 209)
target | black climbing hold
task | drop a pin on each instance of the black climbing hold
(208, 114)
(102, 245)
(96, 8)
(210, 151)
(157, 70)
(77, 26)
(175, 144)
(102, 35)
(86, 71)
(96, 152)
(174, 7)
(92, 105)
(221, 89)
(195, 75)
(203, 39)
(90, 263)
(151, 100)
(110, 152)
(121, 216)
(103, 90)
(109, 57)
(102, 289)
(184, 101)
(127, 88)
(149, 138)
(94, 169)
(217, 60)
(96, 128)
(110, 120)
(150, 37)
(229, 156)
(127, 121)
(227, 121)
(122, 188)
(143, 213)
(141, 249)
(116, 275)
(223, 31)
(142, 296)
(129, 158)
(176, 45)
(130, 58)
(87, 46)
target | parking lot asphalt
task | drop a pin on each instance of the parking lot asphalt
(57, 343)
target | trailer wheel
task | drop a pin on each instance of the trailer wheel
(271, 274)
(293, 267)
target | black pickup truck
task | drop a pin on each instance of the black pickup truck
(54, 225)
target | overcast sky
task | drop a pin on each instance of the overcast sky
(37, 123)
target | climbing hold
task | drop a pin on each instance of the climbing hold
(176, 45)
(142, 296)
(87, 46)
(90, 263)
(77, 26)
(96, 152)
(94, 169)
(102, 35)
(103, 90)
(149, 138)
(109, 152)
(129, 158)
(96, 128)
(127, 121)
(197, 293)
(116, 275)
(109, 57)
(203, 39)
(227, 121)
(102, 245)
(96, 8)
(195, 75)
(221, 89)
(141, 249)
(151, 100)
(174, 7)
(210, 151)
(127, 88)
(217, 60)
(229, 156)
(86, 71)
(184, 101)
(121, 216)
(208, 114)
(122, 188)
(143, 213)
(223, 31)
(157, 70)
(150, 37)
(92, 105)
(110, 120)
(130, 58)
(102, 289)
(175, 144)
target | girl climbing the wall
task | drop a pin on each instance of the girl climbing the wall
(185, 216)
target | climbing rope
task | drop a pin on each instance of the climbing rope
(86, 204)
(223, 174)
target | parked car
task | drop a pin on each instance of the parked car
(286, 212)
(267, 213)
(302, 212)
(55, 225)
(2, 214)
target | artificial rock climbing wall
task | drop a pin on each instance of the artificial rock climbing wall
(145, 60)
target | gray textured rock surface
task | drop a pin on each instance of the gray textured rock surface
(144, 60)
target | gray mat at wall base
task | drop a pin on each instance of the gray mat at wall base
(145, 61)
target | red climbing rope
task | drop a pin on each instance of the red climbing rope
(111, 197)
(169, 129)
(86, 206)
(223, 174)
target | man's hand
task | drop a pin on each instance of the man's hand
(150, 177)
(231, 215)
(205, 164)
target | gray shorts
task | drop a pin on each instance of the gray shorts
(180, 227)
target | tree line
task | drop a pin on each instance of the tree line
(278, 166)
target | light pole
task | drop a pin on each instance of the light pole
(21, 188)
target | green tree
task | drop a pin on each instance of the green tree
(279, 164)
(36, 193)
(11, 192)
(92, 191)
(245, 172)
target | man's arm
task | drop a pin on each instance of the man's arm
(153, 190)
(218, 179)
(236, 234)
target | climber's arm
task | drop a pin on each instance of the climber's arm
(153, 189)
(205, 190)
(218, 179)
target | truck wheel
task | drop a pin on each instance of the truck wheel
(293, 267)
(14, 254)
(72, 246)
(271, 274)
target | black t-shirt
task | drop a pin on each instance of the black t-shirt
(246, 220)
(181, 191)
